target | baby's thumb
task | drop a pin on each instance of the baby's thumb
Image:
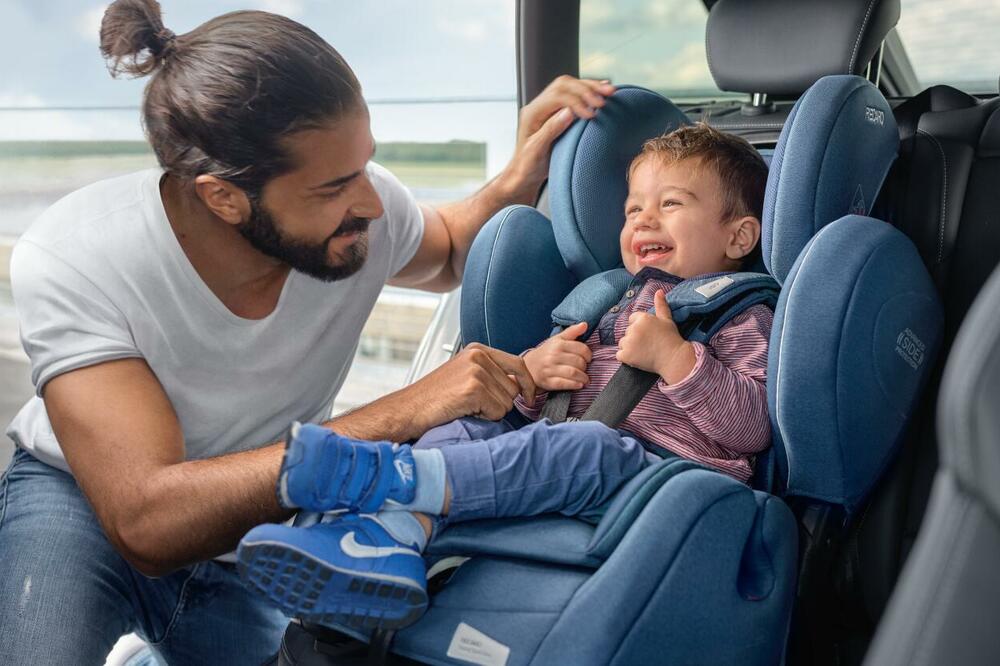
(660, 303)
(574, 331)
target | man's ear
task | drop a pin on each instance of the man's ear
(227, 201)
(743, 237)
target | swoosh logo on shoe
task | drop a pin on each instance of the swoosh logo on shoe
(404, 469)
(349, 546)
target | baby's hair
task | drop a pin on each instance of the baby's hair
(740, 168)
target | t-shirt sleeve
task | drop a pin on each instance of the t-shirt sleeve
(403, 217)
(66, 321)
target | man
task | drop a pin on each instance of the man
(178, 320)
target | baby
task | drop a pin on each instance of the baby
(693, 209)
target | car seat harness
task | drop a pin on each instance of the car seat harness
(700, 307)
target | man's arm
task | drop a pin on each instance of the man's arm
(449, 230)
(162, 512)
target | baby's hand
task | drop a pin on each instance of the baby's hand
(653, 343)
(560, 363)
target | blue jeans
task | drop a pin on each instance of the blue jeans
(500, 470)
(66, 595)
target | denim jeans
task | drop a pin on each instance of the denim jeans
(66, 595)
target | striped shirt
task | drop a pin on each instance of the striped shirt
(717, 415)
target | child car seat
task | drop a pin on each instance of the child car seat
(688, 565)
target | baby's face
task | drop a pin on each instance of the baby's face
(673, 220)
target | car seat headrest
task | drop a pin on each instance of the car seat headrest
(833, 154)
(781, 47)
(587, 186)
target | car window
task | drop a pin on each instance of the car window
(952, 42)
(658, 45)
(439, 78)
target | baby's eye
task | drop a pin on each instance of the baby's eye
(631, 209)
(671, 202)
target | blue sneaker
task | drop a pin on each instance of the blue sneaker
(323, 471)
(349, 572)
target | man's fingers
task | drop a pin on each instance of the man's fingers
(555, 125)
(573, 332)
(513, 365)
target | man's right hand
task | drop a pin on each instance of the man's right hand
(479, 381)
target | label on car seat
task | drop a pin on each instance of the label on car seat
(472, 645)
(714, 287)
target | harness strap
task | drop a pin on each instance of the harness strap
(700, 308)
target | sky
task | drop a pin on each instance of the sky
(421, 49)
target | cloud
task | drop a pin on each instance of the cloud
(470, 30)
(952, 41)
(290, 8)
(88, 24)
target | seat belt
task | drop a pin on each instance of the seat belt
(700, 307)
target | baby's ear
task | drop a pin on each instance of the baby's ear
(743, 237)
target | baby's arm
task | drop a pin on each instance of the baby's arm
(725, 394)
(557, 364)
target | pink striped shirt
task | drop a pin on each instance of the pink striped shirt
(717, 415)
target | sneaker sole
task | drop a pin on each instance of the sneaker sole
(317, 591)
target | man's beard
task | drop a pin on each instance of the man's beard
(310, 258)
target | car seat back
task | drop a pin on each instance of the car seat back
(945, 606)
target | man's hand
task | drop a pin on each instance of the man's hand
(560, 363)
(479, 381)
(542, 121)
(653, 343)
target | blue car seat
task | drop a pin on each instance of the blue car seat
(687, 565)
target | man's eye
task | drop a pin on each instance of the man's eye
(332, 193)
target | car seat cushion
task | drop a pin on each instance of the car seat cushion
(514, 277)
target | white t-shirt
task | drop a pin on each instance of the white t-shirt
(101, 276)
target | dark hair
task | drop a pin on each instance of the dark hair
(224, 95)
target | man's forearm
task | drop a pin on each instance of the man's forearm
(224, 497)
(465, 218)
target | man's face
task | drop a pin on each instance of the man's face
(315, 217)
(673, 220)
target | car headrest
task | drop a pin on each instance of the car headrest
(968, 418)
(587, 187)
(833, 154)
(782, 47)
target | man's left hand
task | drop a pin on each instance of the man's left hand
(543, 120)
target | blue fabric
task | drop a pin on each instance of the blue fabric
(68, 595)
(641, 606)
(591, 299)
(833, 154)
(514, 276)
(587, 187)
(495, 471)
(855, 334)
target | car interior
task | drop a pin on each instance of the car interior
(870, 530)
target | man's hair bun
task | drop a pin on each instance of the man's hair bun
(133, 38)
